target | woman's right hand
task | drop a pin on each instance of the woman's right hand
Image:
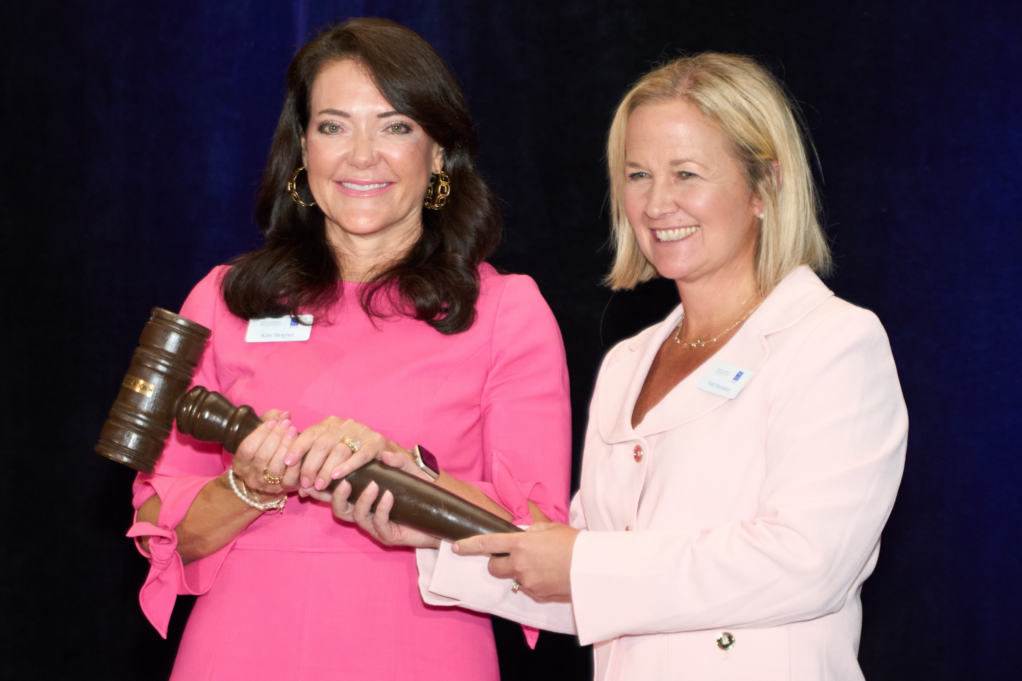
(217, 516)
(334, 447)
(260, 457)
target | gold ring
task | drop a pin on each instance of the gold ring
(515, 586)
(272, 479)
(353, 445)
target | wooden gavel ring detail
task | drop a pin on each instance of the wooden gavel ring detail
(153, 395)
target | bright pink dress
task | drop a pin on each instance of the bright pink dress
(302, 595)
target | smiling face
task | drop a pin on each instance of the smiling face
(686, 196)
(368, 165)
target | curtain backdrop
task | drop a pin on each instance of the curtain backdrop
(133, 139)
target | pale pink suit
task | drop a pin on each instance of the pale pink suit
(303, 596)
(759, 516)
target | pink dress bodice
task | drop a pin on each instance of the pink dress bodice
(491, 403)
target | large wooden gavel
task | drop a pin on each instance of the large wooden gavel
(153, 394)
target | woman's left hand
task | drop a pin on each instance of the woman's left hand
(539, 560)
(324, 454)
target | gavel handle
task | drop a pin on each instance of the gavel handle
(210, 417)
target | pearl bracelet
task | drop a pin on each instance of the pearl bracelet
(275, 505)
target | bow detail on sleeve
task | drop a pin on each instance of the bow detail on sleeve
(168, 575)
(510, 493)
(514, 496)
(531, 635)
(159, 592)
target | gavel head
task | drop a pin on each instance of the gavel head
(161, 370)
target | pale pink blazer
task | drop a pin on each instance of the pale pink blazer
(759, 516)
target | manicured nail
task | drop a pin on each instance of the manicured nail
(373, 487)
(320, 484)
(270, 425)
(284, 415)
(455, 548)
(291, 432)
(337, 473)
(286, 423)
(290, 460)
(306, 483)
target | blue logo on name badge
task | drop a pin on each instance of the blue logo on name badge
(738, 375)
(294, 321)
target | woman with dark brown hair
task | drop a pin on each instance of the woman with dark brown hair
(371, 315)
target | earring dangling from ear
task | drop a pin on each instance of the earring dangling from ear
(437, 192)
(292, 188)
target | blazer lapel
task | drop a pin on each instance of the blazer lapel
(622, 379)
(797, 295)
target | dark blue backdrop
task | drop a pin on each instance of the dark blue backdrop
(133, 138)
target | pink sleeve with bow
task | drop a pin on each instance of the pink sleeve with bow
(526, 407)
(185, 468)
(526, 410)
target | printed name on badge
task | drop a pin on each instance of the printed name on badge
(725, 380)
(279, 329)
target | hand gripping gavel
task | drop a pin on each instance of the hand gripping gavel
(153, 394)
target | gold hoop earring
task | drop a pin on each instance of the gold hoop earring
(438, 190)
(292, 188)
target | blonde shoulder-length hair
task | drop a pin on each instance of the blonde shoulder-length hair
(754, 113)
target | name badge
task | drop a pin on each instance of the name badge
(279, 329)
(725, 380)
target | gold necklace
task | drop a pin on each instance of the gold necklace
(700, 343)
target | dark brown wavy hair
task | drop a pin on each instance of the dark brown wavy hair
(296, 270)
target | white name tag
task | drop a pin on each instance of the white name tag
(725, 380)
(279, 329)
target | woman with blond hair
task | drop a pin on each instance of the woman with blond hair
(743, 455)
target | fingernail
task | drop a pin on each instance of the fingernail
(286, 423)
(285, 415)
(291, 432)
(306, 483)
(337, 473)
(455, 548)
(372, 487)
(320, 484)
(290, 460)
(270, 425)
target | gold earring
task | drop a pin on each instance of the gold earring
(292, 188)
(438, 190)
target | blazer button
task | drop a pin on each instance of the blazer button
(637, 453)
(726, 640)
